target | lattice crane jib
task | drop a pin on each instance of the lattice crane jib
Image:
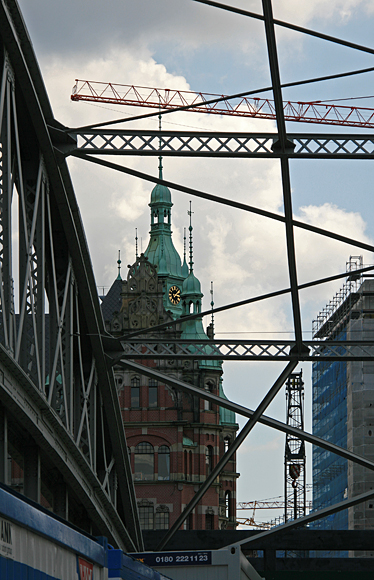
(198, 102)
(52, 359)
(294, 456)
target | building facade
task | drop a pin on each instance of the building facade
(343, 405)
(174, 439)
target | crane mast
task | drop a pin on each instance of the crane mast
(294, 456)
(198, 102)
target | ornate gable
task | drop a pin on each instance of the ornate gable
(142, 299)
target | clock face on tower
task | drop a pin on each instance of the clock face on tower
(174, 295)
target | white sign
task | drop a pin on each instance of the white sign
(6, 539)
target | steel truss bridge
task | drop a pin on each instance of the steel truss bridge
(59, 405)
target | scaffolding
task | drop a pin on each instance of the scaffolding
(334, 314)
(329, 380)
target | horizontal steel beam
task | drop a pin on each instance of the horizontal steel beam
(218, 144)
(285, 350)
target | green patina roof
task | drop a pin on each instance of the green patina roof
(171, 262)
(226, 417)
(161, 194)
(193, 329)
(187, 442)
(184, 268)
(191, 286)
(161, 251)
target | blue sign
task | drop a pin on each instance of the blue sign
(174, 558)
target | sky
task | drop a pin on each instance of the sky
(185, 45)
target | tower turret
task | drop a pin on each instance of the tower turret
(191, 298)
(161, 251)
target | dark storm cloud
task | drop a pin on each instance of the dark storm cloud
(93, 26)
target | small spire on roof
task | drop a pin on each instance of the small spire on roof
(185, 271)
(159, 141)
(119, 265)
(190, 212)
(136, 243)
(212, 305)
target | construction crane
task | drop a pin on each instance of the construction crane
(269, 504)
(306, 112)
(266, 505)
(294, 455)
(253, 524)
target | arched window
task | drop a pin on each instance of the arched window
(135, 393)
(228, 504)
(209, 386)
(227, 443)
(145, 508)
(185, 465)
(162, 518)
(209, 459)
(163, 462)
(190, 467)
(144, 461)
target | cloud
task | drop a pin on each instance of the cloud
(319, 256)
(303, 13)
(92, 28)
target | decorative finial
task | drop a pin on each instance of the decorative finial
(159, 140)
(212, 305)
(136, 243)
(119, 265)
(184, 245)
(190, 228)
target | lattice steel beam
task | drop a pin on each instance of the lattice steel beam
(218, 144)
(246, 350)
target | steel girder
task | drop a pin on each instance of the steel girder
(50, 318)
(126, 142)
(271, 350)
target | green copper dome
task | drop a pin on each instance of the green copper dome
(191, 286)
(161, 194)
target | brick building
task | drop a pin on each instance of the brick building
(174, 439)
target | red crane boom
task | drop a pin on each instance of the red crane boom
(313, 112)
